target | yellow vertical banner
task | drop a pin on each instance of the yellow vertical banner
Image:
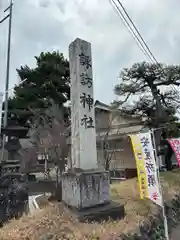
(140, 164)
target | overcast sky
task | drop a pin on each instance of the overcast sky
(46, 25)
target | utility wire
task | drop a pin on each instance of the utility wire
(142, 39)
(137, 31)
(139, 34)
(130, 29)
(145, 47)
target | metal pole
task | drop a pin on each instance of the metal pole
(8, 64)
(160, 189)
(1, 103)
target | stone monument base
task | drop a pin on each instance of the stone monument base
(87, 195)
(85, 189)
(107, 211)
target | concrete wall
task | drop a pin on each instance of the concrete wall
(122, 157)
(102, 118)
(118, 127)
(108, 118)
(117, 119)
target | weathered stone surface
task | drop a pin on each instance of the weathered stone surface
(83, 135)
(84, 186)
(85, 189)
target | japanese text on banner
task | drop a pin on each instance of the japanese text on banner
(175, 145)
(138, 153)
(151, 168)
(146, 167)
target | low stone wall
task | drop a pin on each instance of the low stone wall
(153, 228)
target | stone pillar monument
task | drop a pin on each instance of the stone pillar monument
(83, 133)
(83, 186)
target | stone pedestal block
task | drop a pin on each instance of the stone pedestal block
(85, 189)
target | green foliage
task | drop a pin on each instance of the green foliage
(144, 81)
(49, 80)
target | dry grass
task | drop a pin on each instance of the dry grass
(56, 222)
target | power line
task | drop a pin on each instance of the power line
(136, 29)
(130, 29)
(139, 34)
(145, 46)
(1, 21)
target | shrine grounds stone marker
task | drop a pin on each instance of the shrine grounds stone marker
(84, 187)
(83, 135)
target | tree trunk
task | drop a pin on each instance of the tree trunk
(168, 160)
(58, 192)
(58, 189)
(107, 164)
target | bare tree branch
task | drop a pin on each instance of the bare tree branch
(50, 136)
(105, 140)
